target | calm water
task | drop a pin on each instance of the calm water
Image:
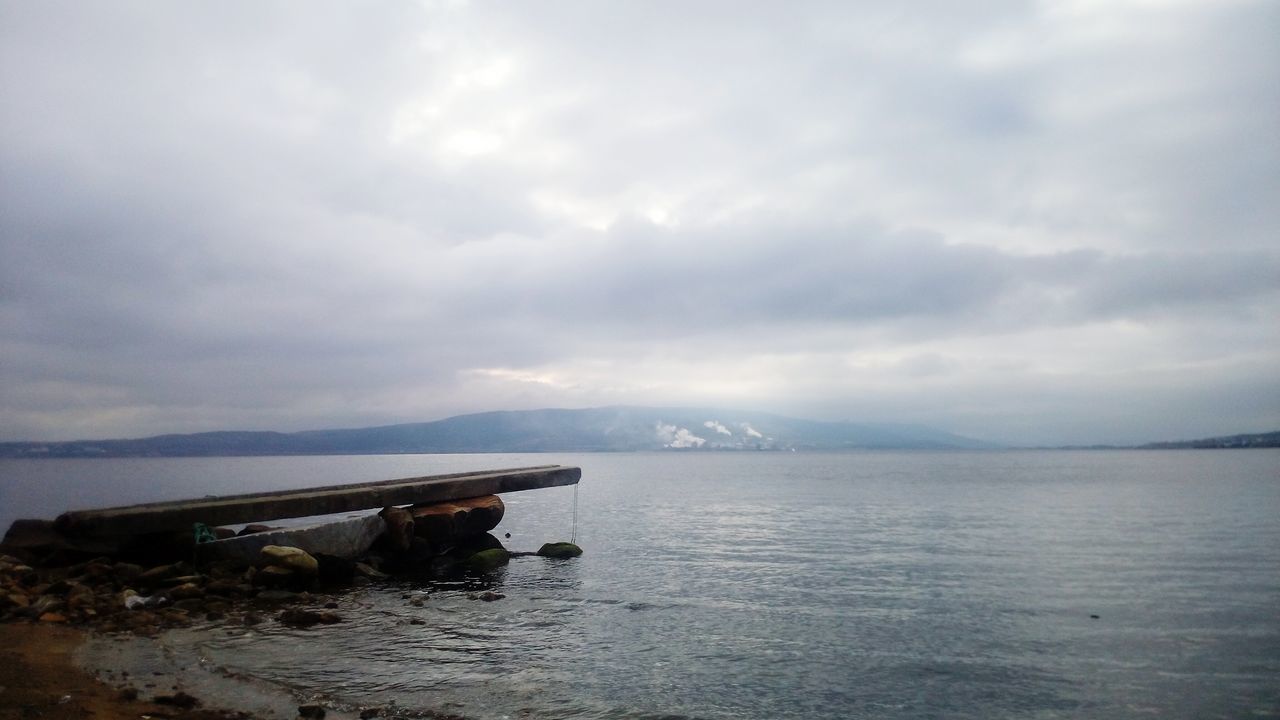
(876, 585)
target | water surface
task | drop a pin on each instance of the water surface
(791, 585)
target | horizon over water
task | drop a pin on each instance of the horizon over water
(874, 584)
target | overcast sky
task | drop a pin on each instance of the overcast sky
(1033, 222)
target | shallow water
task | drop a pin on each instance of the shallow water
(770, 585)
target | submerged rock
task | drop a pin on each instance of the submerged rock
(560, 550)
(305, 618)
(488, 559)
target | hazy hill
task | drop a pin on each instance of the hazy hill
(596, 429)
(1251, 440)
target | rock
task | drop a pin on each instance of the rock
(25, 575)
(59, 587)
(251, 618)
(305, 618)
(350, 537)
(420, 551)
(127, 572)
(190, 605)
(80, 598)
(181, 580)
(488, 559)
(96, 571)
(179, 699)
(47, 603)
(445, 522)
(186, 591)
(313, 712)
(560, 550)
(366, 570)
(162, 572)
(129, 694)
(399, 532)
(277, 596)
(335, 570)
(274, 577)
(373, 712)
(289, 557)
(53, 617)
(466, 547)
(490, 596)
(227, 588)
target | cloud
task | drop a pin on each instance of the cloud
(250, 216)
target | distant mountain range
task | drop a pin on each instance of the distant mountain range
(1251, 440)
(590, 430)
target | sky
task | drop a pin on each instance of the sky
(1026, 222)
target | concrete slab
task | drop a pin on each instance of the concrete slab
(262, 507)
(347, 537)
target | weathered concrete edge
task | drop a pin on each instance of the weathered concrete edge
(180, 515)
(347, 538)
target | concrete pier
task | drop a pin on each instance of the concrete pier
(262, 507)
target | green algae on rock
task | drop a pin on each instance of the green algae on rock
(560, 550)
(489, 559)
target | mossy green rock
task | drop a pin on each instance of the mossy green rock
(489, 559)
(560, 550)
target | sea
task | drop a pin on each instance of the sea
(976, 584)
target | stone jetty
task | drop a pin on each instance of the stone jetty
(146, 566)
(144, 569)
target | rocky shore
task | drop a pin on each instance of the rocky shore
(52, 601)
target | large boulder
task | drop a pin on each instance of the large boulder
(446, 522)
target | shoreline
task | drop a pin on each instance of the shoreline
(65, 672)
(42, 675)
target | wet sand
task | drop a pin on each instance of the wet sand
(56, 671)
(41, 678)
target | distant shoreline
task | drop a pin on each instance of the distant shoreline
(590, 430)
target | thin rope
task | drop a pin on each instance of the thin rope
(573, 536)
